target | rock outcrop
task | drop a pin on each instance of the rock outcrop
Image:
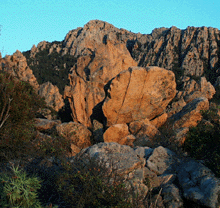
(16, 64)
(190, 115)
(52, 96)
(76, 133)
(138, 93)
(123, 90)
(101, 57)
(191, 52)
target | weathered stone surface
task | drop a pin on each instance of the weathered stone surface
(45, 124)
(160, 120)
(116, 133)
(176, 106)
(186, 51)
(190, 114)
(128, 140)
(161, 160)
(199, 184)
(194, 89)
(171, 196)
(117, 154)
(148, 135)
(78, 134)
(151, 178)
(52, 96)
(116, 157)
(100, 57)
(179, 136)
(138, 93)
(21, 70)
(135, 126)
(143, 152)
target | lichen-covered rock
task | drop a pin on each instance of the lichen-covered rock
(138, 93)
(162, 160)
(199, 184)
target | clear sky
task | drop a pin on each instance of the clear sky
(28, 22)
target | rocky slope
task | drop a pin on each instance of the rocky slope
(124, 87)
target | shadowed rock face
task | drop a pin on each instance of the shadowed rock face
(138, 93)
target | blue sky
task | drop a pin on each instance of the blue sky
(28, 22)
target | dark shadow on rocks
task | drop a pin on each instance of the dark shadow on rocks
(48, 172)
(98, 121)
(65, 112)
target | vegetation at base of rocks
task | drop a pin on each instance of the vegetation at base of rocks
(18, 190)
(87, 183)
(51, 67)
(53, 145)
(203, 141)
(18, 107)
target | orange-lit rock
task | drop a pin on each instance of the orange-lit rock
(138, 93)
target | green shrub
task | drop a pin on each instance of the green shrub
(91, 185)
(18, 106)
(18, 190)
(53, 145)
(203, 141)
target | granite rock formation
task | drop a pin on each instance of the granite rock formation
(138, 93)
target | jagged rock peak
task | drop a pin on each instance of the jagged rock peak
(95, 32)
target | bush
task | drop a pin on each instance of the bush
(203, 141)
(18, 106)
(19, 191)
(91, 184)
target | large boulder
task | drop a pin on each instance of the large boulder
(199, 184)
(119, 160)
(162, 160)
(117, 133)
(138, 93)
(77, 133)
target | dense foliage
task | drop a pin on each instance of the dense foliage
(87, 183)
(203, 141)
(18, 190)
(51, 67)
(18, 107)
